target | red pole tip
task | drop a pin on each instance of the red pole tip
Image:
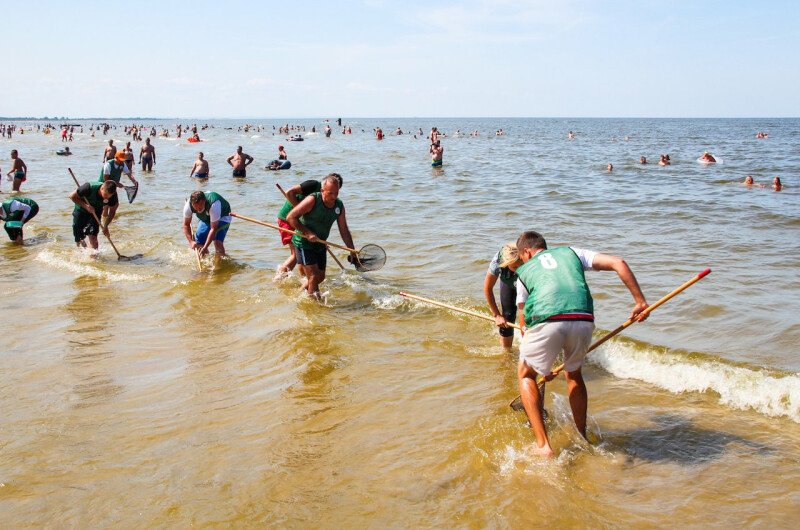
(704, 273)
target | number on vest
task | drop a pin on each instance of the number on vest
(547, 261)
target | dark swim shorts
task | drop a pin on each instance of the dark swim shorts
(239, 172)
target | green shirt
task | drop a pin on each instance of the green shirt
(211, 198)
(90, 192)
(556, 285)
(306, 188)
(16, 215)
(319, 220)
(115, 172)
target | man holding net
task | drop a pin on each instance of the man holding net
(214, 213)
(313, 218)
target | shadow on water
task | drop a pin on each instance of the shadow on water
(674, 438)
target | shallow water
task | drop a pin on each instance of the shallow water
(151, 394)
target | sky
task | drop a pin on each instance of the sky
(376, 58)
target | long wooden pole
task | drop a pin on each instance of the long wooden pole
(453, 308)
(629, 322)
(339, 263)
(119, 256)
(276, 227)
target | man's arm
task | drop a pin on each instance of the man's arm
(80, 201)
(153, 153)
(293, 218)
(248, 160)
(605, 262)
(344, 231)
(187, 231)
(212, 233)
(229, 160)
(488, 292)
(24, 167)
(141, 152)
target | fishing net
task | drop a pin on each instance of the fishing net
(131, 191)
(370, 258)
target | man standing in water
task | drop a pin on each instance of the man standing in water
(200, 167)
(294, 195)
(313, 217)
(557, 315)
(214, 213)
(147, 156)
(436, 151)
(19, 170)
(110, 151)
(89, 198)
(239, 162)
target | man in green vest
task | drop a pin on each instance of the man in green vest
(214, 213)
(294, 195)
(91, 198)
(557, 313)
(313, 217)
(16, 212)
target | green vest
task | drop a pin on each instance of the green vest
(507, 276)
(16, 216)
(319, 220)
(94, 199)
(211, 198)
(287, 206)
(556, 285)
(116, 172)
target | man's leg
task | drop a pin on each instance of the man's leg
(533, 403)
(316, 276)
(17, 184)
(219, 248)
(93, 242)
(578, 399)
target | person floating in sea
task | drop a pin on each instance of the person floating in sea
(437, 151)
(557, 313)
(294, 196)
(707, 158)
(761, 135)
(239, 162)
(328, 131)
(15, 213)
(147, 156)
(214, 214)
(379, 133)
(571, 136)
(664, 160)
(64, 152)
(199, 168)
(91, 198)
(643, 160)
(110, 151)
(313, 217)
(282, 153)
(503, 266)
(610, 168)
(18, 169)
(776, 184)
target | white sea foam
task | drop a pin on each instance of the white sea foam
(82, 264)
(738, 387)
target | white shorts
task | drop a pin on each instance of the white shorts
(543, 342)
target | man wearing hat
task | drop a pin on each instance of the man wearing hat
(16, 212)
(113, 170)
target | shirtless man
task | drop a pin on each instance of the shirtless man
(200, 167)
(19, 169)
(110, 152)
(239, 162)
(147, 156)
(436, 151)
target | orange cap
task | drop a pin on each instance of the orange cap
(120, 156)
